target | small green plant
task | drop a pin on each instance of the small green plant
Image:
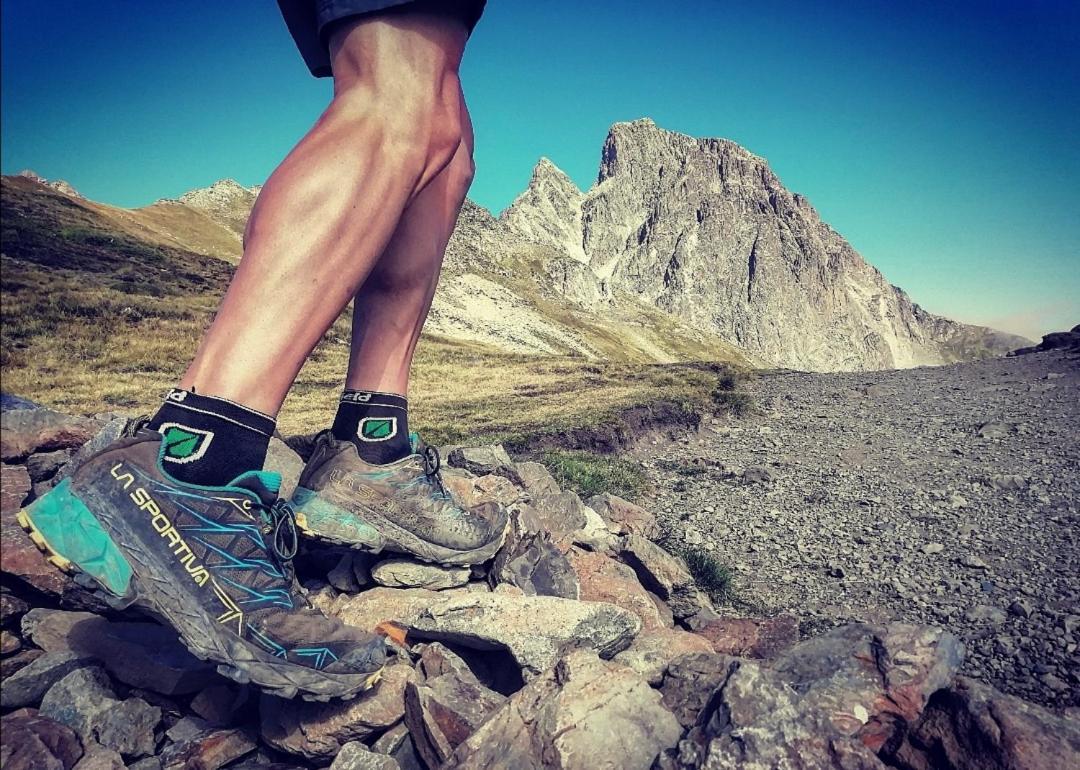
(713, 576)
(727, 379)
(735, 401)
(589, 473)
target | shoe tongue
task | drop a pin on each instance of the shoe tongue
(265, 484)
(414, 442)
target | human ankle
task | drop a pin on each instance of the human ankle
(377, 423)
(209, 441)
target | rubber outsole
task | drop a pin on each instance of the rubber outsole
(392, 538)
(234, 658)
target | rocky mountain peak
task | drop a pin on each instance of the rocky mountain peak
(226, 201)
(28, 173)
(59, 184)
(220, 192)
(549, 211)
(703, 229)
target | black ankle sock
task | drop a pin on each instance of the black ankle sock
(378, 423)
(210, 441)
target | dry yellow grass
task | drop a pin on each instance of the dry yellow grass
(461, 392)
(102, 318)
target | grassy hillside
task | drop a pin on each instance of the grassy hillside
(101, 312)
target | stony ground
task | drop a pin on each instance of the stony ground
(946, 495)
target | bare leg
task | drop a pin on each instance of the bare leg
(330, 209)
(393, 303)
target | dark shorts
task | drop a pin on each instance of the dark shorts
(309, 21)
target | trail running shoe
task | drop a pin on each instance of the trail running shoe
(213, 562)
(401, 507)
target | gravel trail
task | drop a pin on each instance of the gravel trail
(946, 495)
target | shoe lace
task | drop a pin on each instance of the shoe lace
(279, 525)
(432, 464)
(279, 519)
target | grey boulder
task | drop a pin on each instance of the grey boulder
(582, 714)
(536, 630)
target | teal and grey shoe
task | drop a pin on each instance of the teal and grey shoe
(401, 507)
(212, 562)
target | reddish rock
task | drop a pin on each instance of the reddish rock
(972, 726)
(436, 659)
(603, 579)
(32, 742)
(871, 681)
(317, 731)
(652, 651)
(14, 487)
(222, 704)
(498, 489)
(471, 491)
(623, 517)
(25, 431)
(22, 559)
(9, 643)
(445, 710)
(12, 664)
(751, 637)
(208, 750)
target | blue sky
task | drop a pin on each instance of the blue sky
(941, 141)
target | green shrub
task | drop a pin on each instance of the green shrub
(727, 380)
(727, 396)
(735, 401)
(713, 576)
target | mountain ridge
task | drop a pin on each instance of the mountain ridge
(684, 248)
(705, 231)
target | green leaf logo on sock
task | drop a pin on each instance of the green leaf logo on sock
(377, 428)
(183, 444)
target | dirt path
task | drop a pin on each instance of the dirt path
(948, 495)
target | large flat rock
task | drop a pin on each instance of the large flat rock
(536, 630)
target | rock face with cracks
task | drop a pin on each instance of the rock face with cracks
(583, 713)
(319, 730)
